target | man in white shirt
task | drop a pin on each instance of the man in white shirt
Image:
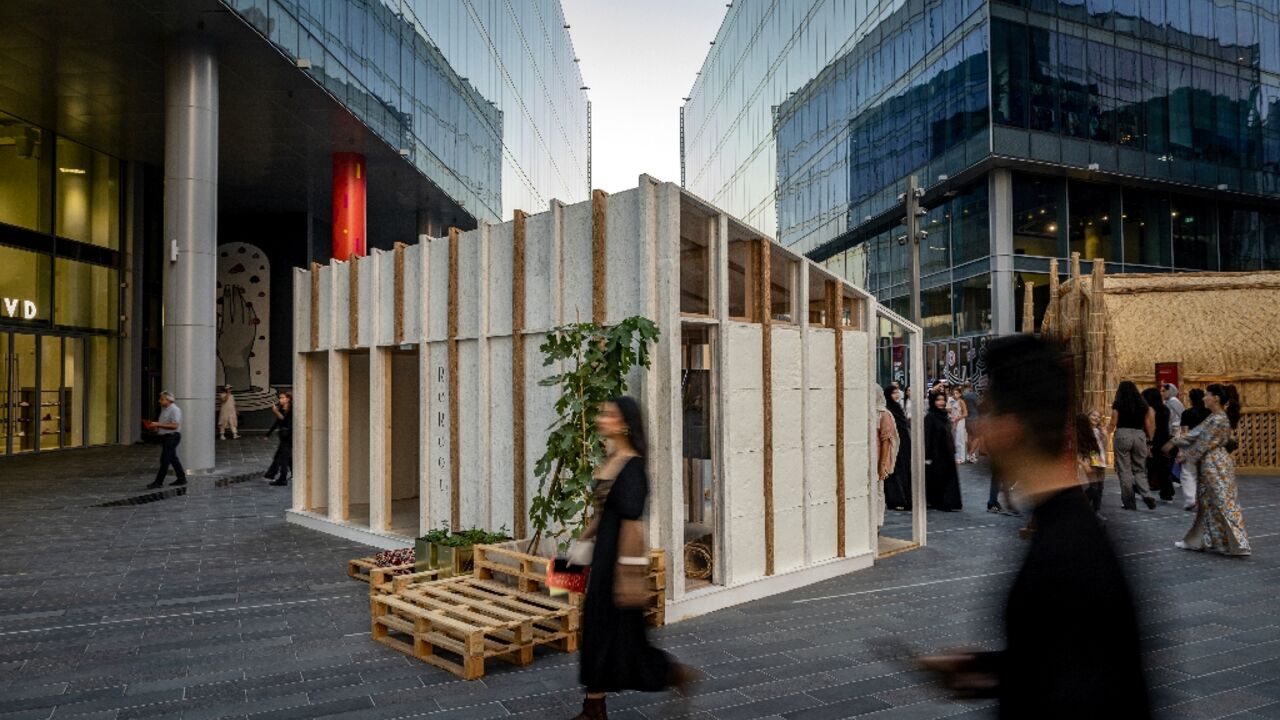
(1169, 392)
(169, 427)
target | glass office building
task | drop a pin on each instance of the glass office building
(1143, 133)
(462, 110)
(485, 97)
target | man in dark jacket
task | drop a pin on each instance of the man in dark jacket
(1071, 630)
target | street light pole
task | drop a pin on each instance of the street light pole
(915, 236)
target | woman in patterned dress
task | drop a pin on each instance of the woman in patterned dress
(1219, 525)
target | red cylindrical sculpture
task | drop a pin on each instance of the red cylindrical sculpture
(348, 205)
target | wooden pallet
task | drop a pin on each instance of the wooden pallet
(472, 620)
(362, 568)
(393, 580)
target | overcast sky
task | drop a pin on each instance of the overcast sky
(639, 59)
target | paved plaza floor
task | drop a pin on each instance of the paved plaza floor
(207, 604)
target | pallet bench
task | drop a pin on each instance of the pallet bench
(503, 609)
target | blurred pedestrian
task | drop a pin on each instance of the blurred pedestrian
(1071, 631)
(615, 653)
(906, 403)
(1132, 426)
(897, 488)
(942, 482)
(1219, 524)
(1097, 462)
(1089, 460)
(169, 427)
(1190, 470)
(282, 462)
(227, 415)
(970, 398)
(1158, 461)
(1169, 393)
(887, 446)
(957, 412)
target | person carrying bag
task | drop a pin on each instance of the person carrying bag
(615, 653)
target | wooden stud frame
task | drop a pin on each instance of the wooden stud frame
(840, 459)
(765, 313)
(599, 245)
(520, 521)
(455, 448)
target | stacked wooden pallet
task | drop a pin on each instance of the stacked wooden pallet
(504, 610)
(500, 611)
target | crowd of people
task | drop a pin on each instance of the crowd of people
(1153, 441)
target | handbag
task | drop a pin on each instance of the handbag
(630, 580)
(581, 552)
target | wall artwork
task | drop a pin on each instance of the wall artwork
(244, 304)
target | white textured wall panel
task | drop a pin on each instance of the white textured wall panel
(366, 282)
(822, 359)
(438, 290)
(318, 457)
(575, 263)
(413, 293)
(341, 298)
(386, 292)
(473, 455)
(542, 285)
(625, 285)
(499, 269)
(788, 542)
(786, 357)
(438, 480)
(358, 432)
(325, 309)
(501, 432)
(745, 356)
(471, 275)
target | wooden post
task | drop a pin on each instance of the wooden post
(520, 524)
(840, 460)
(1095, 344)
(599, 275)
(353, 302)
(315, 306)
(455, 448)
(398, 300)
(766, 385)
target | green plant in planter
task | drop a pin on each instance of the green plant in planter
(597, 360)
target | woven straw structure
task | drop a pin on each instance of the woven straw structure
(1219, 327)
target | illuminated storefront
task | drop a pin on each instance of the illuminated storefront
(60, 259)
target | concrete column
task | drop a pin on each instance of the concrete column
(191, 239)
(1002, 279)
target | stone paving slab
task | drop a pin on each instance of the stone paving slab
(208, 605)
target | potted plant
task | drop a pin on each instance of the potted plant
(596, 361)
(426, 553)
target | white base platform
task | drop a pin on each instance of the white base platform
(699, 602)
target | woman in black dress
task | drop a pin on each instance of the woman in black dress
(942, 482)
(897, 487)
(282, 463)
(615, 653)
(1159, 475)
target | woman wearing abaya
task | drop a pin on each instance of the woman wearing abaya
(1158, 461)
(897, 487)
(942, 482)
(616, 654)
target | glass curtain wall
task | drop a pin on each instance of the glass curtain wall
(1201, 107)
(60, 239)
(487, 98)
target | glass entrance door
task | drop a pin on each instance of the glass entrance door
(42, 392)
(19, 393)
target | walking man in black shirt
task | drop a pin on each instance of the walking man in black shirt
(1071, 630)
